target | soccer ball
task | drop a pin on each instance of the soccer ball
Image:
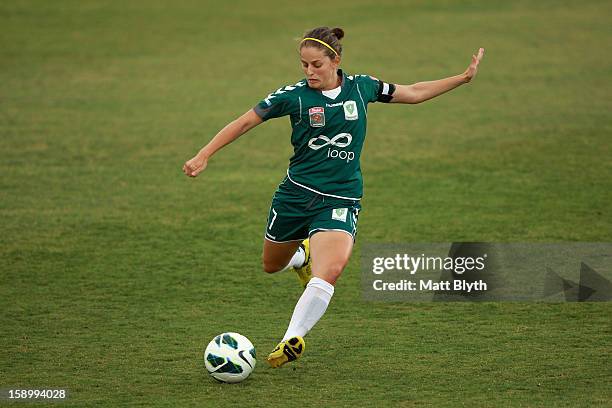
(230, 357)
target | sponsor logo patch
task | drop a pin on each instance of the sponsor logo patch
(339, 214)
(317, 116)
(340, 140)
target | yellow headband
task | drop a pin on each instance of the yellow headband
(321, 42)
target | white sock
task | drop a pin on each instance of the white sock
(310, 308)
(297, 260)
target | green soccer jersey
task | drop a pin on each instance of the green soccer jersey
(328, 133)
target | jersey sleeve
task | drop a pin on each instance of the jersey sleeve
(281, 102)
(377, 90)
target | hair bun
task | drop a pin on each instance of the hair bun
(338, 32)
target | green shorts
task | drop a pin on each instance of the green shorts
(297, 213)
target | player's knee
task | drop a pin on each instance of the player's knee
(270, 267)
(334, 270)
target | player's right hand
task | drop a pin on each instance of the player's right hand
(194, 166)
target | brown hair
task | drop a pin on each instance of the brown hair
(330, 36)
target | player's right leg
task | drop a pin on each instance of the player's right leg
(278, 255)
(286, 229)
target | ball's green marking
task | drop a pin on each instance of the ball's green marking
(215, 360)
(230, 341)
(230, 367)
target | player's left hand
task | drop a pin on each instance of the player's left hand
(471, 71)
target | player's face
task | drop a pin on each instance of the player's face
(320, 70)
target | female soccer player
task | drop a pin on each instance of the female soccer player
(313, 217)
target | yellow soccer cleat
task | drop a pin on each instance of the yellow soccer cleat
(286, 351)
(304, 272)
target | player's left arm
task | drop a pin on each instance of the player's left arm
(423, 91)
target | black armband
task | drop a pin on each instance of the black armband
(385, 92)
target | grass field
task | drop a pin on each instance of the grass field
(116, 269)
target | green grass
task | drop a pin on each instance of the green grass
(116, 270)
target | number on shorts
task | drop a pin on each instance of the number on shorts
(273, 219)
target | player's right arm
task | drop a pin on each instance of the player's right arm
(227, 135)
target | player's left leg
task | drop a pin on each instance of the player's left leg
(331, 251)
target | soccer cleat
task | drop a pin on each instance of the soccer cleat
(304, 272)
(286, 351)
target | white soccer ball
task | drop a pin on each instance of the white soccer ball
(230, 357)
